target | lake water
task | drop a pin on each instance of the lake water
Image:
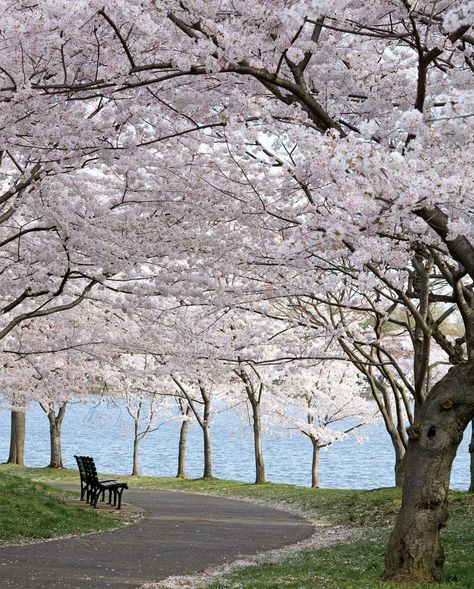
(105, 433)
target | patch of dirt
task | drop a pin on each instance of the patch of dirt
(128, 513)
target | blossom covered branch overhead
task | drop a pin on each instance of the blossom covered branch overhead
(292, 160)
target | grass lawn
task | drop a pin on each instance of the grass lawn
(30, 510)
(357, 565)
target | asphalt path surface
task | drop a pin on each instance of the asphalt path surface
(183, 533)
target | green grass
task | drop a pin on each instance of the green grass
(30, 510)
(356, 565)
(359, 507)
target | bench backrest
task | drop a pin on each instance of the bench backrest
(90, 470)
(80, 466)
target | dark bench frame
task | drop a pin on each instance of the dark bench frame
(92, 488)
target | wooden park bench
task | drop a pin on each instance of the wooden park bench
(93, 488)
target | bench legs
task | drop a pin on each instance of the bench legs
(118, 497)
(115, 492)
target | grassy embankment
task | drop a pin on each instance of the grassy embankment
(30, 510)
(356, 565)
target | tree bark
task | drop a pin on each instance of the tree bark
(471, 451)
(315, 464)
(414, 552)
(55, 423)
(400, 463)
(183, 436)
(399, 450)
(17, 438)
(257, 440)
(254, 395)
(207, 474)
(135, 448)
(203, 420)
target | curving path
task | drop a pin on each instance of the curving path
(184, 533)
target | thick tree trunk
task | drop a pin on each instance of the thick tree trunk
(414, 552)
(471, 450)
(55, 423)
(257, 440)
(315, 464)
(56, 460)
(17, 438)
(183, 436)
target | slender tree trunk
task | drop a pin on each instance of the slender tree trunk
(400, 462)
(414, 552)
(396, 431)
(205, 423)
(393, 404)
(55, 423)
(399, 450)
(135, 448)
(183, 436)
(207, 474)
(17, 438)
(257, 440)
(315, 464)
(471, 450)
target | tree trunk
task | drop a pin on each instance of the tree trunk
(207, 474)
(393, 404)
(183, 436)
(55, 423)
(400, 463)
(135, 449)
(414, 552)
(205, 422)
(471, 450)
(257, 441)
(399, 450)
(17, 438)
(315, 464)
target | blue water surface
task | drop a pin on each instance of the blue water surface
(105, 432)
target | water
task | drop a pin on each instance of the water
(106, 433)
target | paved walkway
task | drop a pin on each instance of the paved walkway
(184, 533)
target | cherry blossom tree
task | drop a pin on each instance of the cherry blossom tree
(325, 133)
(198, 395)
(50, 381)
(53, 361)
(375, 335)
(130, 381)
(254, 388)
(326, 404)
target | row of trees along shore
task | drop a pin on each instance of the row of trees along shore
(324, 418)
(222, 184)
(310, 406)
